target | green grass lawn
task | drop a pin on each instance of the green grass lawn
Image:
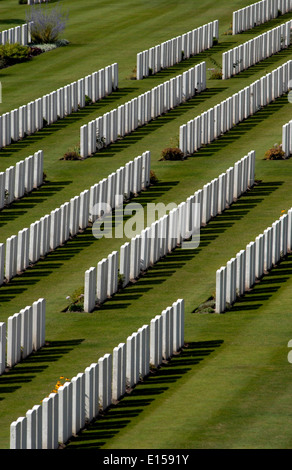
(231, 386)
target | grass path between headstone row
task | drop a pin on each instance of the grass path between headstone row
(250, 372)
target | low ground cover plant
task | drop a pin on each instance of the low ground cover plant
(172, 153)
(11, 54)
(275, 153)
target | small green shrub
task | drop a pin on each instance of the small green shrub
(206, 307)
(275, 153)
(14, 53)
(78, 307)
(215, 41)
(172, 153)
(76, 300)
(120, 281)
(88, 100)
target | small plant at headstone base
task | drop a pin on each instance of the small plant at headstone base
(216, 72)
(73, 154)
(215, 41)
(88, 100)
(283, 42)
(121, 279)
(229, 31)
(100, 142)
(76, 301)
(206, 307)
(153, 177)
(172, 153)
(209, 306)
(58, 385)
(236, 64)
(47, 23)
(153, 368)
(275, 153)
(133, 75)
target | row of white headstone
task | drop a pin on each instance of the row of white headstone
(258, 258)
(23, 334)
(32, 2)
(18, 180)
(258, 13)
(287, 139)
(121, 121)
(221, 118)
(166, 233)
(18, 34)
(30, 118)
(255, 50)
(54, 229)
(173, 51)
(79, 401)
